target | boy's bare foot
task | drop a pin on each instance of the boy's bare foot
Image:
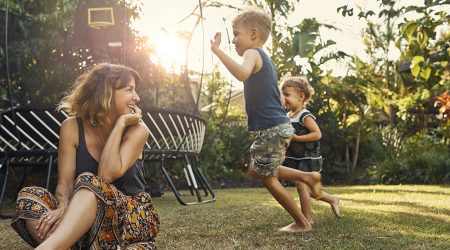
(295, 228)
(315, 185)
(335, 207)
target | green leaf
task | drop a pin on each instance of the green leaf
(408, 30)
(417, 59)
(422, 38)
(415, 69)
(425, 94)
(325, 80)
(426, 73)
(416, 63)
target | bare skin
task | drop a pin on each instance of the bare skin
(312, 179)
(246, 39)
(305, 201)
(113, 148)
(295, 101)
(74, 226)
(273, 185)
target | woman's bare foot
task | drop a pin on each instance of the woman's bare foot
(335, 207)
(295, 228)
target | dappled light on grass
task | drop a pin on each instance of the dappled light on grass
(430, 201)
(375, 217)
(408, 217)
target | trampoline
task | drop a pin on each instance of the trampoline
(29, 134)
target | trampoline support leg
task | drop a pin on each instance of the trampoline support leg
(5, 165)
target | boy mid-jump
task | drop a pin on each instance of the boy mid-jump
(267, 120)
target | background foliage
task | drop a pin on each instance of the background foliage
(386, 121)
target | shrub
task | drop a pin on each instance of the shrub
(423, 159)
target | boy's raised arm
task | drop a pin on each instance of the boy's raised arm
(241, 71)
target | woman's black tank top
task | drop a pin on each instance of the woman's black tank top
(131, 183)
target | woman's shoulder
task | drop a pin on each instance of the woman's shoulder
(69, 122)
(69, 130)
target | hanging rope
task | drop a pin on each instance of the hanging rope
(8, 78)
(203, 58)
(125, 22)
(200, 19)
(231, 81)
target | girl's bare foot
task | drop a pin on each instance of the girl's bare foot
(295, 228)
(335, 207)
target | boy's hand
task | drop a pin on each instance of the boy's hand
(216, 41)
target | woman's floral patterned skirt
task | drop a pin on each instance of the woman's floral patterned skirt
(122, 222)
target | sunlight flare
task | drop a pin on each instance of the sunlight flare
(169, 51)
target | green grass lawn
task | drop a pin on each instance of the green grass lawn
(375, 217)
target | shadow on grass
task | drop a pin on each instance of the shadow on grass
(386, 189)
(394, 230)
(249, 218)
(424, 209)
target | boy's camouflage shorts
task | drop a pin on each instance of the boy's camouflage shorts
(269, 148)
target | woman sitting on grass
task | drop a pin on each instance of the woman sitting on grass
(99, 201)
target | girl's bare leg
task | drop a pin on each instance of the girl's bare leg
(285, 199)
(305, 201)
(77, 220)
(333, 201)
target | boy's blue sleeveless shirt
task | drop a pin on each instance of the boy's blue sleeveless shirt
(262, 97)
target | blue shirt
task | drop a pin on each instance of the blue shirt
(262, 97)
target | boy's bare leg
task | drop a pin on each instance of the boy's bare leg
(312, 179)
(333, 201)
(305, 200)
(77, 220)
(285, 199)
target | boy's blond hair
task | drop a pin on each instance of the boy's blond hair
(255, 19)
(300, 84)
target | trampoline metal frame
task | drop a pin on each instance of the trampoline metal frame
(174, 135)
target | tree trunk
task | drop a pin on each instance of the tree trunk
(347, 157)
(358, 137)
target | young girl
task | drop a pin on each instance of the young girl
(303, 152)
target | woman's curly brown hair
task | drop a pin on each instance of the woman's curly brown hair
(93, 92)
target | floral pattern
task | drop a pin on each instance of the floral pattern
(122, 222)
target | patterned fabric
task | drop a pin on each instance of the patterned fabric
(304, 156)
(305, 165)
(122, 222)
(32, 203)
(269, 147)
(303, 150)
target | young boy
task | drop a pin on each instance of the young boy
(267, 119)
(303, 152)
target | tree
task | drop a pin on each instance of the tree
(43, 61)
(226, 143)
(401, 92)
